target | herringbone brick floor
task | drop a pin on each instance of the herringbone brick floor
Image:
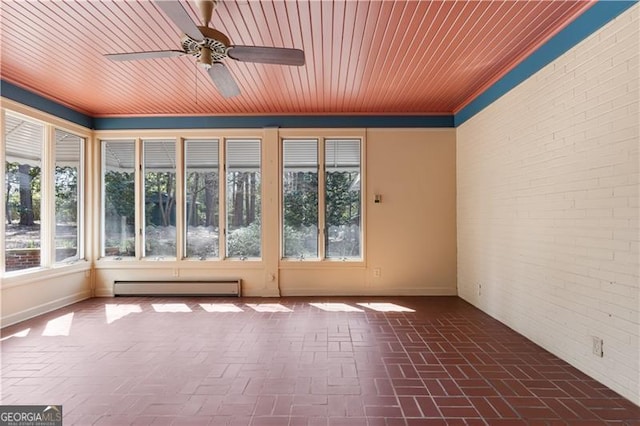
(356, 361)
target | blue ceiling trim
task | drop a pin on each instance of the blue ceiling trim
(25, 97)
(583, 26)
(282, 121)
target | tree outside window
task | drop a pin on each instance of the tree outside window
(243, 199)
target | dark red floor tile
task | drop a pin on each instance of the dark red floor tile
(446, 363)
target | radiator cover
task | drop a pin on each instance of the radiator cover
(222, 287)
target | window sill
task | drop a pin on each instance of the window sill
(321, 264)
(192, 264)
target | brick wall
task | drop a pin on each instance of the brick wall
(548, 189)
(17, 259)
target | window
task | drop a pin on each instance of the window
(178, 210)
(342, 199)
(243, 199)
(118, 198)
(42, 188)
(340, 206)
(159, 198)
(300, 198)
(202, 179)
(23, 197)
(68, 170)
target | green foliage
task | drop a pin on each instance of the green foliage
(342, 203)
(120, 195)
(244, 242)
(66, 187)
(301, 199)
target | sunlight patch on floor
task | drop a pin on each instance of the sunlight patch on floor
(115, 312)
(23, 333)
(336, 307)
(386, 307)
(268, 307)
(170, 307)
(60, 326)
(220, 307)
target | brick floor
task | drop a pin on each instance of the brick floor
(355, 361)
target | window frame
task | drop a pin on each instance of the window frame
(48, 163)
(183, 154)
(80, 237)
(322, 138)
(224, 218)
(181, 137)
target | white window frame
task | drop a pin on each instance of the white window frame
(180, 170)
(47, 190)
(321, 157)
(223, 198)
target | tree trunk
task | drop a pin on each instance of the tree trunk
(251, 211)
(26, 201)
(191, 211)
(8, 204)
(238, 199)
(209, 199)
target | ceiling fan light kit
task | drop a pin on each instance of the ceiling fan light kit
(210, 47)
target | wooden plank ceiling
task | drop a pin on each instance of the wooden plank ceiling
(362, 57)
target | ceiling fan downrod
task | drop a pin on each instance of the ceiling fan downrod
(206, 10)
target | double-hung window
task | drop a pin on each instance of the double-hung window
(118, 198)
(321, 199)
(68, 196)
(243, 199)
(202, 189)
(159, 160)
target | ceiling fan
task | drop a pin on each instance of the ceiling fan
(211, 47)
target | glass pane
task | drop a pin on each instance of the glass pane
(67, 172)
(118, 179)
(300, 198)
(201, 198)
(160, 198)
(23, 177)
(343, 199)
(243, 198)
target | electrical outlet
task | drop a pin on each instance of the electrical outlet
(377, 272)
(479, 289)
(597, 346)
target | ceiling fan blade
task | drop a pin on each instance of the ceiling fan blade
(267, 55)
(134, 56)
(223, 80)
(180, 17)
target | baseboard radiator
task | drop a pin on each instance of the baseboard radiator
(221, 287)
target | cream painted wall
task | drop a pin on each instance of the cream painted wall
(548, 223)
(28, 296)
(410, 236)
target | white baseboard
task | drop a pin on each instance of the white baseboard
(17, 317)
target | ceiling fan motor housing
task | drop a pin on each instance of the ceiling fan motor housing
(213, 40)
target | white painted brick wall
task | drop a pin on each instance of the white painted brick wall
(548, 223)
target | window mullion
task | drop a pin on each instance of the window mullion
(222, 198)
(181, 226)
(139, 199)
(47, 198)
(322, 233)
